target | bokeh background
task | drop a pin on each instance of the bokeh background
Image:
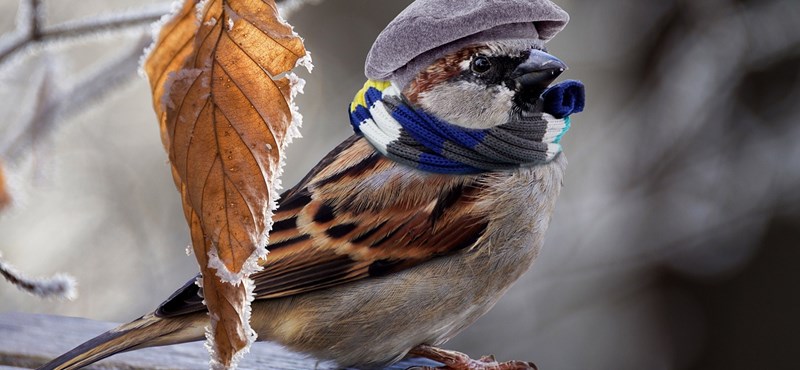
(676, 243)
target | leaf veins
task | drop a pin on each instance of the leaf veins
(225, 119)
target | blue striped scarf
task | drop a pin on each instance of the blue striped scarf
(413, 137)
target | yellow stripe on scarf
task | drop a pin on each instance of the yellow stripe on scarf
(360, 100)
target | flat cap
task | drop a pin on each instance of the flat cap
(429, 29)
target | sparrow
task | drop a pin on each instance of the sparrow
(372, 260)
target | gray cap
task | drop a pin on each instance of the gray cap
(429, 29)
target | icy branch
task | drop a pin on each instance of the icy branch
(36, 18)
(60, 286)
(31, 29)
(53, 106)
(106, 23)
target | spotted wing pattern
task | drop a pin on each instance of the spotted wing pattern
(358, 215)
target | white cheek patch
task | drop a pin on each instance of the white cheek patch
(469, 104)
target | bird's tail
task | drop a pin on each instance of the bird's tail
(147, 331)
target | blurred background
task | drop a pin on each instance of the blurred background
(676, 240)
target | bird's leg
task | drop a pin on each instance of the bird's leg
(453, 360)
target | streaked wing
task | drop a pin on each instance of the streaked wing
(358, 215)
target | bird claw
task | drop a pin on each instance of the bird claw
(490, 363)
(453, 360)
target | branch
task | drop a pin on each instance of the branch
(104, 23)
(59, 286)
(36, 19)
(29, 340)
(31, 30)
(37, 33)
(53, 107)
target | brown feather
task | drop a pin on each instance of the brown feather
(357, 215)
(440, 71)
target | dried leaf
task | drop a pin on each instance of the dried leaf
(5, 197)
(172, 46)
(225, 121)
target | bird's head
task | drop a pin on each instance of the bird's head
(481, 85)
(458, 87)
(471, 63)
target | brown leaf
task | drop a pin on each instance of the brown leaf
(5, 197)
(225, 121)
(172, 46)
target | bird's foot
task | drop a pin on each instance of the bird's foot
(453, 360)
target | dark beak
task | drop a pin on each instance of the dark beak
(533, 76)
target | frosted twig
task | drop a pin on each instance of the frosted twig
(60, 286)
(43, 106)
(31, 29)
(53, 107)
(98, 84)
(36, 18)
(105, 23)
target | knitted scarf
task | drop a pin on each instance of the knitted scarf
(413, 137)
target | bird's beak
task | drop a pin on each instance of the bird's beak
(533, 76)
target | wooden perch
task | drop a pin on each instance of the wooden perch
(28, 341)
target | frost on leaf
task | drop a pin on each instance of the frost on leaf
(213, 72)
(172, 45)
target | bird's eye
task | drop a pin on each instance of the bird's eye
(481, 65)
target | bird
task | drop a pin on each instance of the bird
(415, 226)
(372, 260)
